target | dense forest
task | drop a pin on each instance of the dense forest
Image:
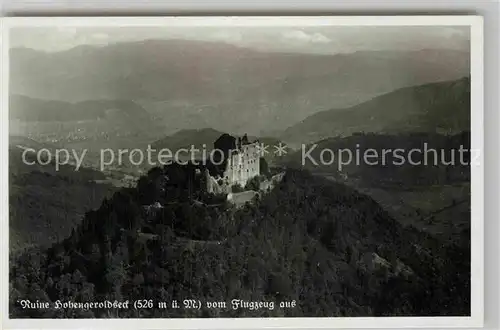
(45, 204)
(333, 250)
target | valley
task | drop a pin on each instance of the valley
(360, 240)
(186, 84)
(440, 210)
(402, 190)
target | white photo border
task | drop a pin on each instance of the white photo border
(476, 318)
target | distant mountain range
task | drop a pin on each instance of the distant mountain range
(313, 238)
(29, 109)
(442, 107)
(223, 86)
(92, 124)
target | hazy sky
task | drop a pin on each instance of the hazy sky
(295, 39)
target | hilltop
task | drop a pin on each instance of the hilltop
(333, 250)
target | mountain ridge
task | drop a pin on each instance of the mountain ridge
(28, 109)
(430, 107)
(273, 90)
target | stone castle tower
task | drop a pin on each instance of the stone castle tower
(241, 163)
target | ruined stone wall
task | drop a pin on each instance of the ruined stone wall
(242, 165)
(213, 187)
(271, 183)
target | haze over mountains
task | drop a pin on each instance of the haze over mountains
(196, 84)
(30, 109)
(442, 107)
(379, 239)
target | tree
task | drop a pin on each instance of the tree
(236, 188)
(264, 167)
(253, 184)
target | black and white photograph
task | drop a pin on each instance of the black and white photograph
(243, 167)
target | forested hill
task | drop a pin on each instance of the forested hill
(393, 162)
(333, 250)
(45, 203)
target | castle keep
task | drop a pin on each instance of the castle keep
(240, 163)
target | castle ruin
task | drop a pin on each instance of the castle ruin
(240, 163)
